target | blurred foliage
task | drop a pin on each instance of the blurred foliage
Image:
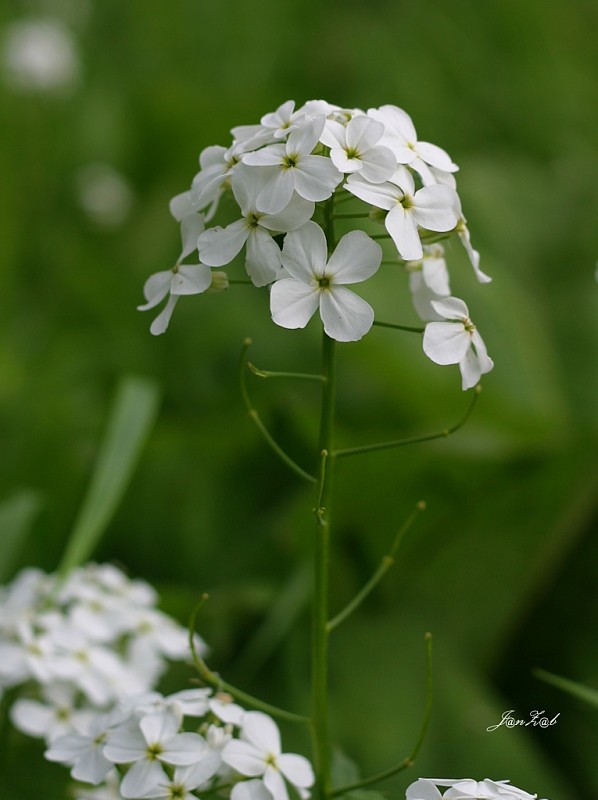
(502, 567)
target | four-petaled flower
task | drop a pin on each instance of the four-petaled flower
(457, 341)
(318, 282)
(259, 754)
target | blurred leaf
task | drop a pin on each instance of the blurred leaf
(16, 519)
(344, 770)
(131, 419)
(571, 687)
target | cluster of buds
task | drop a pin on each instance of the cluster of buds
(77, 645)
(294, 183)
(182, 745)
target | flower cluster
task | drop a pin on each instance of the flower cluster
(79, 645)
(295, 182)
(465, 789)
(142, 748)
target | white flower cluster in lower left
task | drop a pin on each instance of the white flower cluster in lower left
(142, 748)
(77, 645)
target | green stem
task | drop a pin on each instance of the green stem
(260, 425)
(215, 681)
(398, 327)
(370, 448)
(410, 759)
(321, 739)
(262, 373)
(387, 562)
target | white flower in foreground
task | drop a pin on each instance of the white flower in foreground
(316, 282)
(355, 148)
(435, 208)
(182, 279)
(283, 120)
(219, 246)
(473, 255)
(155, 740)
(258, 754)
(466, 789)
(294, 168)
(457, 341)
(84, 752)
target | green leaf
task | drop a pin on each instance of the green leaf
(344, 771)
(130, 422)
(17, 514)
(571, 687)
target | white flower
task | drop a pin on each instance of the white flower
(457, 341)
(283, 120)
(52, 718)
(293, 168)
(467, 789)
(104, 194)
(155, 739)
(182, 279)
(355, 148)
(401, 137)
(435, 208)
(218, 246)
(84, 751)
(259, 754)
(316, 283)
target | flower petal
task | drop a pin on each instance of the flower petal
(219, 246)
(346, 317)
(403, 229)
(292, 303)
(191, 279)
(304, 252)
(277, 192)
(356, 258)
(263, 257)
(446, 342)
(436, 208)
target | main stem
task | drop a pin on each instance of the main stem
(320, 633)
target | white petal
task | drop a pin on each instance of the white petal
(436, 157)
(296, 769)
(383, 195)
(191, 279)
(270, 156)
(191, 227)
(160, 324)
(401, 226)
(333, 135)
(250, 790)
(316, 178)
(219, 246)
(275, 784)
(379, 164)
(304, 252)
(423, 789)
(436, 208)
(243, 757)
(363, 133)
(181, 206)
(302, 140)
(446, 342)
(261, 731)
(346, 316)
(277, 193)
(184, 749)
(92, 767)
(296, 214)
(263, 258)
(156, 288)
(143, 777)
(452, 308)
(356, 258)
(292, 304)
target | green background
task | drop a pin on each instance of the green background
(502, 566)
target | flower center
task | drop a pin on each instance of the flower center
(352, 152)
(252, 220)
(154, 751)
(406, 202)
(290, 161)
(324, 282)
